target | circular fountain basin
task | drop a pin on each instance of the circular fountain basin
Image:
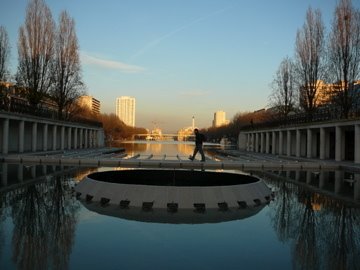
(134, 193)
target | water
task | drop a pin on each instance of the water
(43, 226)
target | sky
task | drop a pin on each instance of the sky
(179, 58)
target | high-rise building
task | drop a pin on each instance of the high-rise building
(220, 119)
(125, 110)
(90, 102)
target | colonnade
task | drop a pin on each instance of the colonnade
(337, 141)
(21, 134)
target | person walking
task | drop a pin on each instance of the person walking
(199, 139)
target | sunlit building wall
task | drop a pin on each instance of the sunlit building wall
(125, 110)
(220, 119)
(91, 103)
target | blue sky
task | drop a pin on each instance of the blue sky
(179, 58)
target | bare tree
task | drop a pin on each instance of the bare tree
(67, 85)
(35, 49)
(4, 53)
(283, 95)
(344, 55)
(309, 62)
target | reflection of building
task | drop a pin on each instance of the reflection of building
(125, 110)
(220, 119)
(91, 103)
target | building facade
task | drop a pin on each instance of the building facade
(125, 110)
(91, 103)
(220, 119)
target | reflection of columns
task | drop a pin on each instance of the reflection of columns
(4, 174)
(308, 177)
(34, 137)
(288, 143)
(5, 145)
(45, 137)
(322, 180)
(21, 136)
(20, 172)
(267, 142)
(309, 143)
(69, 138)
(357, 186)
(339, 143)
(298, 143)
(357, 144)
(339, 177)
(281, 143)
(322, 143)
(33, 172)
(273, 148)
(54, 137)
(62, 139)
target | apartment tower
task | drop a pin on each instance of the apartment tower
(125, 110)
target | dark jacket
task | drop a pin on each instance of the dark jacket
(199, 138)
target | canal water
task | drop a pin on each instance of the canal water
(311, 223)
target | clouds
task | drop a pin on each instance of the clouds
(109, 64)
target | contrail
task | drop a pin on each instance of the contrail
(157, 41)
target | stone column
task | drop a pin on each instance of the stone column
(298, 143)
(45, 137)
(34, 137)
(267, 142)
(309, 143)
(281, 142)
(21, 136)
(81, 138)
(357, 144)
(62, 139)
(69, 138)
(5, 143)
(262, 148)
(338, 143)
(288, 143)
(75, 138)
(54, 142)
(273, 149)
(86, 138)
(322, 143)
(257, 142)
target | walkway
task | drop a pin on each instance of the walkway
(228, 160)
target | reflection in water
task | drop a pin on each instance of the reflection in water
(44, 215)
(324, 231)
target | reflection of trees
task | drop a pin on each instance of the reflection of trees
(44, 219)
(341, 238)
(306, 256)
(62, 222)
(283, 216)
(30, 241)
(325, 231)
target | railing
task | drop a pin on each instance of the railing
(322, 115)
(18, 105)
